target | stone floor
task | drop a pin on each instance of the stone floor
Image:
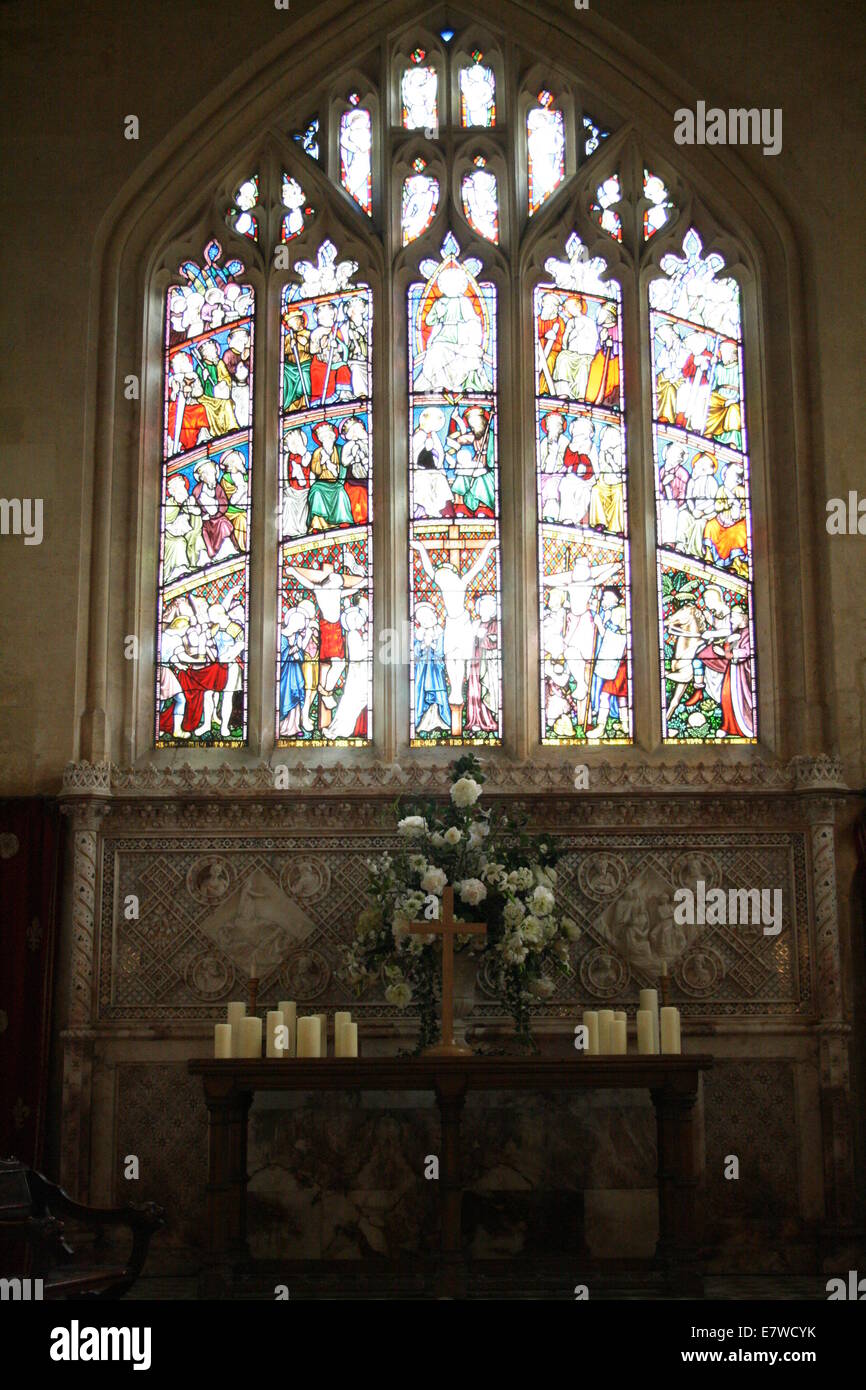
(735, 1288)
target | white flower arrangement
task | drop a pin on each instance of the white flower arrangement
(500, 874)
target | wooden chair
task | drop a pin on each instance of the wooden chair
(31, 1209)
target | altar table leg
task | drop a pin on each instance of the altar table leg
(678, 1172)
(450, 1097)
(226, 1187)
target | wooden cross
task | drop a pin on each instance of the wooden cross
(449, 928)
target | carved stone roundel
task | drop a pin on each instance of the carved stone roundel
(210, 879)
(603, 974)
(688, 868)
(211, 976)
(700, 971)
(306, 878)
(601, 875)
(306, 974)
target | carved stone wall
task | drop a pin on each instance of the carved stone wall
(172, 894)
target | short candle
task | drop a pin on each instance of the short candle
(646, 1042)
(605, 1019)
(346, 1040)
(310, 1036)
(618, 1037)
(289, 1010)
(590, 1023)
(273, 1022)
(222, 1040)
(251, 1037)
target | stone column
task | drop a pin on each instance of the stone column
(86, 807)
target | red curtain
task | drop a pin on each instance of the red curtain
(29, 894)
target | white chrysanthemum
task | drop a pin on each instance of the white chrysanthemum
(542, 901)
(412, 826)
(513, 950)
(465, 792)
(417, 863)
(399, 994)
(571, 929)
(521, 879)
(472, 891)
(434, 880)
(452, 836)
(532, 931)
(513, 912)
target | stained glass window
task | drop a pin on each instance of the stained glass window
(356, 156)
(481, 200)
(545, 146)
(246, 198)
(419, 203)
(585, 620)
(456, 686)
(419, 93)
(703, 521)
(477, 93)
(295, 199)
(324, 668)
(608, 194)
(592, 136)
(203, 601)
(308, 138)
(661, 207)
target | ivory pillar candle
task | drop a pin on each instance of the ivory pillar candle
(323, 1020)
(346, 1040)
(649, 1000)
(236, 1011)
(222, 1040)
(646, 1038)
(310, 1036)
(342, 1017)
(251, 1037)
(620, 1016)
(618, 1037)
(590, 1023)
(679, 1039)
(289, 1010)
(272, 1023)
(670, 1031)
(605, 1019)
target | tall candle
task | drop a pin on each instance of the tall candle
(251, 1037)
(289, 1010)
(272, 1023)
(343, 1016)
(323, 1019)
(679, 1037)
(605, 1019)
(621, 1016)
(618, 1037)
(236, 1012)
(649, 1000)
(590, 1023)
(310, 1036)
(346, 1040)
(669, 1026)
(646, 1037)
(222, 1040)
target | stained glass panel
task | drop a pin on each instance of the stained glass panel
(703, 519)
(545, 144)
(592, 136)
(481, 201)
(477, 94)
(419, 94)
(356, 156)
(324, 670)
(456, 686)
(245, 200)
(295, 199)
(308, 138)
(203, 600)
(585, 620)
(608, 194)
(661, 207)
(419, 203)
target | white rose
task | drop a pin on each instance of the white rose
(542, 901)
(465, 792)
(412, 826)
(472, 891)
(437, 839)
(434, 880)
(452, 835)
(400, 994)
